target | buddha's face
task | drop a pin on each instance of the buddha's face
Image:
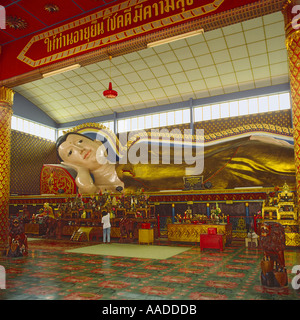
(80, 151)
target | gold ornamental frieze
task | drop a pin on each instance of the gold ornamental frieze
(6, 96)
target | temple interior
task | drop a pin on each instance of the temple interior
(149, 150)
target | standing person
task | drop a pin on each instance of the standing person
(106, 226)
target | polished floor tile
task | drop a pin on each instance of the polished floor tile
(49, 272)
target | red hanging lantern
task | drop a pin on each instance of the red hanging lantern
(110, 93)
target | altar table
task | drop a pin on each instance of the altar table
(192, 232)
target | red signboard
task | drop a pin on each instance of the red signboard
(119, 22)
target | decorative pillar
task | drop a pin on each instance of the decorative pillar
(292, 33)
(6, 102)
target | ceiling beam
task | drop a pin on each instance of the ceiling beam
(26, 109)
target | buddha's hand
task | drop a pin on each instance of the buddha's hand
(83, 179)
(78, 169)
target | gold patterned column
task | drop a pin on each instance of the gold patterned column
(6, 102)
(293, 47)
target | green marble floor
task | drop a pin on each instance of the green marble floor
(51, 272)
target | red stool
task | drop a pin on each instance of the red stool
(211, 240)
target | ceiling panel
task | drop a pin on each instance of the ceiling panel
(65, 10)
(231, 59)
(18, 25)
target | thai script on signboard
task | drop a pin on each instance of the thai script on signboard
(119, 22)
(115, 20)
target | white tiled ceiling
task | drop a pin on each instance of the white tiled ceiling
(239, 57)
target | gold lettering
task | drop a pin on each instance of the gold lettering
(64, 41)
(94, 28)
(183, 3)
(155, 6)
(81, 34)
(71, 38)
(53, 42)
(76, 36)
(120, 21)
(180, 3)
(113, 22)
(162, 7)
(127, 17)
(59, 42)
(100, 28)
(87, 33)
(170, 5)
(47, 41)
(147, 12)
(138, 13)
(119, 17)
(107, 23)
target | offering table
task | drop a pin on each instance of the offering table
(191, 232)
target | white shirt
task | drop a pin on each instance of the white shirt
(106, 221)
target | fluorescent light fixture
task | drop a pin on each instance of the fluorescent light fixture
(69, 68)
(175, 38)
(258, 187)
(170, 190)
